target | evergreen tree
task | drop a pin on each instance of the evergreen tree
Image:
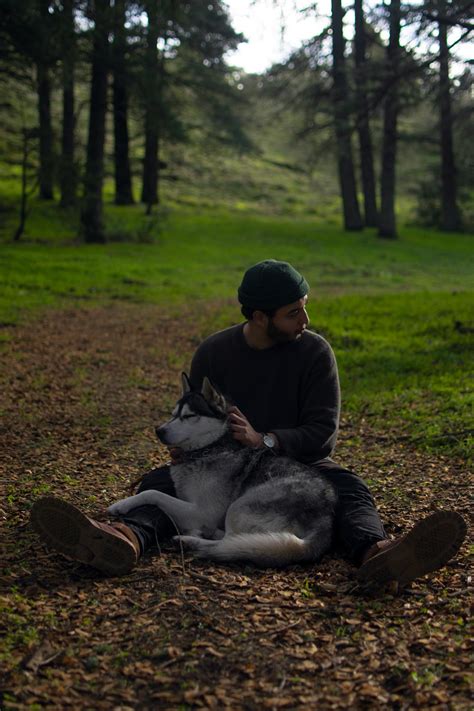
(32, 28)
(123, 174)
(92, 225)
(194, 37)
(450, 214)
(363, 125)
(153, 81)
(387, 220)
(352, 217)
(68, 170)
(43, 70)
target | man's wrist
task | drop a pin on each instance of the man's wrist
(270, 441)
(275, 439)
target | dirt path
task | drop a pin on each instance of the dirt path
(80, 393)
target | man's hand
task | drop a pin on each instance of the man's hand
(242, 430)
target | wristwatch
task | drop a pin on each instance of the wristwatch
(269, 442)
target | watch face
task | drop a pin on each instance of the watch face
(268, 441)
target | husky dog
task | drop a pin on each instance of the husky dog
(233, 502)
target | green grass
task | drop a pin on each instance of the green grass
(389, 308)
(405, 365)
(203, 255)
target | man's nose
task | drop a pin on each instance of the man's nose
(305, 319)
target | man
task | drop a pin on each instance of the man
(284, 382)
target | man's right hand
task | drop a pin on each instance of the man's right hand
(242, 430)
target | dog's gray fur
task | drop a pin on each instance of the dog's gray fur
(237, 503)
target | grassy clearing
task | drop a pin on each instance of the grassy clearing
(199, 180)
(399, 314)
(405, 364)
(204, 255)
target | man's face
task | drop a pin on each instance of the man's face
(288, 322)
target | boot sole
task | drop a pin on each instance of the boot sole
(427, 547)
(66, 529)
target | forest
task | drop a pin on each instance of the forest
(142, 172)
(141, 95)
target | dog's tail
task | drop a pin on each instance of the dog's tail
(265, 549)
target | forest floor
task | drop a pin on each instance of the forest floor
(81, 391)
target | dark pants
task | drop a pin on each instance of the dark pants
(357, 526)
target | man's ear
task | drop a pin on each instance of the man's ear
(259, 318)
(210, 394)
(185, 383)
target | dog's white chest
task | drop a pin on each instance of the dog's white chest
(207, 482)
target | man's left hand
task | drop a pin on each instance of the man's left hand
(242, 430)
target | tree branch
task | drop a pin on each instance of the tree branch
(445, 20)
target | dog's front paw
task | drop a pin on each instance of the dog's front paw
(201, 546)
(145, 498)
(122, 507)
(190, 543)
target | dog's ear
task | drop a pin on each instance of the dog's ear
(210, 394)
(186, 384)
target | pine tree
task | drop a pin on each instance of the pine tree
(387, 220)
(92, 225)
(363, 126)
(352, 217)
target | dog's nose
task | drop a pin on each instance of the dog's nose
(160, 431)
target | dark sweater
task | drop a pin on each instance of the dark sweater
(291, 389)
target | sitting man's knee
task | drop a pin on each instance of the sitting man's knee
(158, 479)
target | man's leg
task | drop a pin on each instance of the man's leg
(428, 546)
(358, 525)
(113, 548)
(148, 523)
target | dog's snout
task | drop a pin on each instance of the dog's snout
(160, 432)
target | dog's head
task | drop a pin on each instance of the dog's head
(199, 418)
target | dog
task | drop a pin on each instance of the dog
(235, 503)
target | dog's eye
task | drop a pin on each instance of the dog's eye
(187, 417)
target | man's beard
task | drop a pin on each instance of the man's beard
(276, 335)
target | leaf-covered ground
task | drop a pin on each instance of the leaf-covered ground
(81, 390)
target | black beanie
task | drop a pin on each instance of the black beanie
(270, 284)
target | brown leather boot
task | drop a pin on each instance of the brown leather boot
(112, 548)
(428, 546)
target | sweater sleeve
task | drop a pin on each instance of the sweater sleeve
(200, 366)
(319, 409)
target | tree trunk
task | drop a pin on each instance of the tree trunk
(450, 214)
(123, 177)
(24, 194)
(92, 209)
(67, 166)
(152, 106)
(363, 127)
(387, 220)
(46, 144)
(352, 217)
(46, 156)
